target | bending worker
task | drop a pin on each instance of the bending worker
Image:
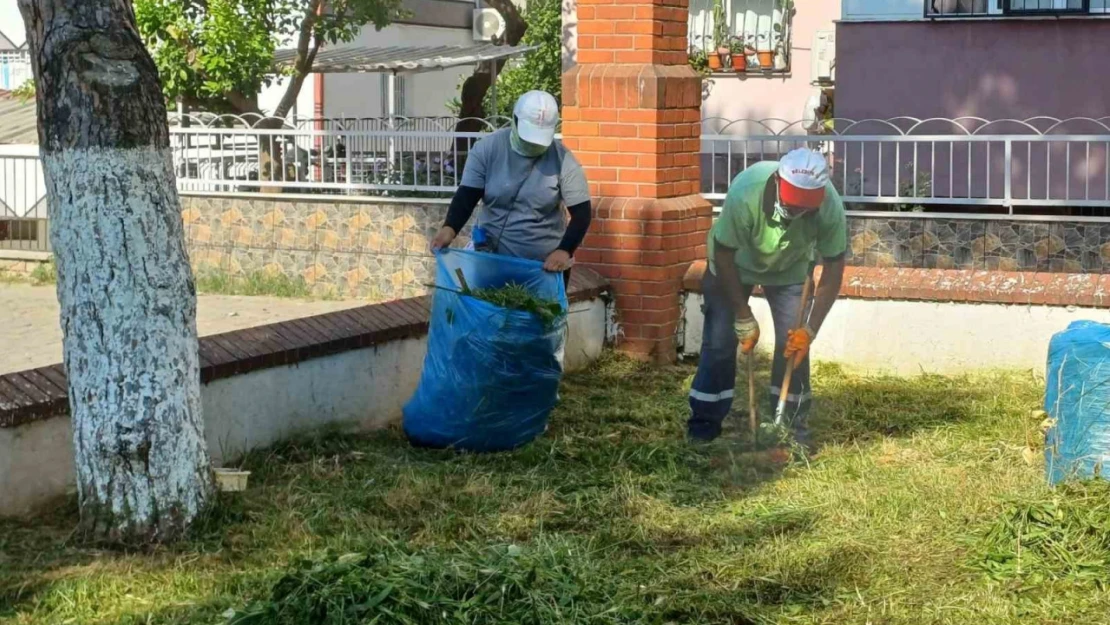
(776, 219)
(524, 178)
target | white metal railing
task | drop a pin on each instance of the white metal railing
(333, 156)
(1007, 167)
(22, 200)
(968, 167)
(14, 72)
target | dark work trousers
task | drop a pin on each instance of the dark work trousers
(715, 382)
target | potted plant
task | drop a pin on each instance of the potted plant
(739, 54)
(765, 53)
(699, 60)
(720, 36)
(781, 47)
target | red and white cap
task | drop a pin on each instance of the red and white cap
(803, 174)
(537, 116)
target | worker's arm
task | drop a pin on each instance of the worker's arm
(574, 191)
(580, 217)
(828, 290)
(724, 259)
(462, 207)
(470, 192)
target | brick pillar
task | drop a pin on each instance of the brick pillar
(632, 116)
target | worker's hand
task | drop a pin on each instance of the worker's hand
(443, 238)
(747, 332)
(797, 343)
(557, 261)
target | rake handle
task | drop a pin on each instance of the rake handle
(793, 362)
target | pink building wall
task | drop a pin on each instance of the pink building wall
(777, 97)
(993, 69)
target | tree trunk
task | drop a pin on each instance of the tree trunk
(472, 96)
(128, 303)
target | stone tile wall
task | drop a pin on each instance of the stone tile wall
(1057, 247)
(377, 250)
(374, 250)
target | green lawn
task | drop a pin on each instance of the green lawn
(922, 505)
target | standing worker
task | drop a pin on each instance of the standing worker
(524, 178)
(776, 219)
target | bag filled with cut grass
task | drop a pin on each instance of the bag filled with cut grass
(1077, 396)
(491, 375)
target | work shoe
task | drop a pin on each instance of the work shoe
(701, 431)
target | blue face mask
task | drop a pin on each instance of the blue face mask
(522, 147)
(781, 214)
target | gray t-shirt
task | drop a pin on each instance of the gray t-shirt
(533, 225)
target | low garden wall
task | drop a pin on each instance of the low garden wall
(353, 369)
(909, 321)
(372, 248)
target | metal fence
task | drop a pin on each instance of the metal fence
(22, 200)
(967, 166)
(351, 156)
(1012, 169)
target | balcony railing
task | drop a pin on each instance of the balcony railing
(1014, 8)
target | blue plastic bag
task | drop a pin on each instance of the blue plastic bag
(491, 375)
(1077, 398)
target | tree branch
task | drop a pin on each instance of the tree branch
(306, 57)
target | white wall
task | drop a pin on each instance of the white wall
(360, 389)
(11, 22)
(907, 338)
(862, 10)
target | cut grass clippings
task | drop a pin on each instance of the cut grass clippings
(919, 488)
(514, 296)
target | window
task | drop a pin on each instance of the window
(400, 102)
(14, 56)
(1015, 8)
(761, 25)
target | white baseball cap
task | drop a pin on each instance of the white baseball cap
(537, 116)
(803, 174)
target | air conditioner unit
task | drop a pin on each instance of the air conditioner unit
(488, 25)
(823, 68)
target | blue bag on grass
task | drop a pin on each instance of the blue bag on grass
(1077, 398)
(491, 376)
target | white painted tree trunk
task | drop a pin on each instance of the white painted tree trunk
(128, 303)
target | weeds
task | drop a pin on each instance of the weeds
(258, 283)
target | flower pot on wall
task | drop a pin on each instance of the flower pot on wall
(714, 61)
(739, 62)
(766, 59)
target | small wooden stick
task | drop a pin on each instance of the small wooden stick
(462, 280)
(753, 416)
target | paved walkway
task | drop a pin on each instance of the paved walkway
(30, 335)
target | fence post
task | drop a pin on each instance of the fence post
(1009, 170)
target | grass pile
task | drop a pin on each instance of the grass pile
(919, 488)
(513, 296)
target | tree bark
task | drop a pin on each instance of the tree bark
(128, 302)
(472, 97)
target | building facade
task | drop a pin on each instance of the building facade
(993, 59)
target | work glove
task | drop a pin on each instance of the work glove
(747, 332)
(797, 343)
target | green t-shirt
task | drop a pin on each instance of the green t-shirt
(769, 252)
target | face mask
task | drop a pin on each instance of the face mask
(522, 147)
(781, 214)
